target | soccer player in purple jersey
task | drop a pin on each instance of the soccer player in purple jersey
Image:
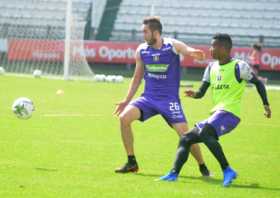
(158, 62)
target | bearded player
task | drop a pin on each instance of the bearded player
(158, 62)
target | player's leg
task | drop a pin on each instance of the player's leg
(172, 112)
(182, 154)
(130, 114)
(218, 124)
(140, 109)
(181, 129)
(209, 137)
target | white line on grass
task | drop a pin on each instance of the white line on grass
(51, 77)
(70, 115)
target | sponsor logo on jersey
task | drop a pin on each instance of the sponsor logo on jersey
(157, 67)
(222, 86)
(156, 76)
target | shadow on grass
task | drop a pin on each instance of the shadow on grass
(212, 180)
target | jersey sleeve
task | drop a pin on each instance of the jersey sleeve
(172, 41)
(138, 50)
(206, 75)
(245, 70)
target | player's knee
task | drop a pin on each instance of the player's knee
(208, 133)
(124, 119)
(181, 129)
(185, 140)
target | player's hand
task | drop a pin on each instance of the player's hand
(189, 93)
(199, 55)
(267, 112)
(120, 107)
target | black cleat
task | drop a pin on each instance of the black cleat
(127, 168)
(204, 170)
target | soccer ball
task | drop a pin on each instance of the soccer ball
(23, 108)
(119, 79)
(37, 73)
(99, 77)
(2, 71)
(102, 77)
(110, 78)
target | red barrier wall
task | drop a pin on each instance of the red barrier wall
(117, 52)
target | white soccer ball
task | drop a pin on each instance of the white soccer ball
(114, 79)
(102, 78)
(2, 71)
(109, 78)
(96, 78)
(99, 77)
(119, 79)
(37, 73)
(23, 108)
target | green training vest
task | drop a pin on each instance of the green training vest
(226, 90)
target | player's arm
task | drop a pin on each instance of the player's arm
(201, 91)
(137, 77)
(186, 50)
(262, 92)
(134, 84)
(247, 74)
(203, 87)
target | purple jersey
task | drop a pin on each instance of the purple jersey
(162, 70)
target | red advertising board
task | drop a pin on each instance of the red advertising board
(35, 50)
(117, 52)
(110, 52)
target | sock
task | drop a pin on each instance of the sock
(202, 166)
(131, 159)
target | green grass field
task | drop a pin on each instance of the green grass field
(71, 146)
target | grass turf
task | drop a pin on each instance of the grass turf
(71, 145)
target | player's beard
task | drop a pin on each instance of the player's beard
(152, 41)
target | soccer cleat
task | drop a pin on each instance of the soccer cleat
(229, 176)
(127, 168)
(204, 170)
(171, 176)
